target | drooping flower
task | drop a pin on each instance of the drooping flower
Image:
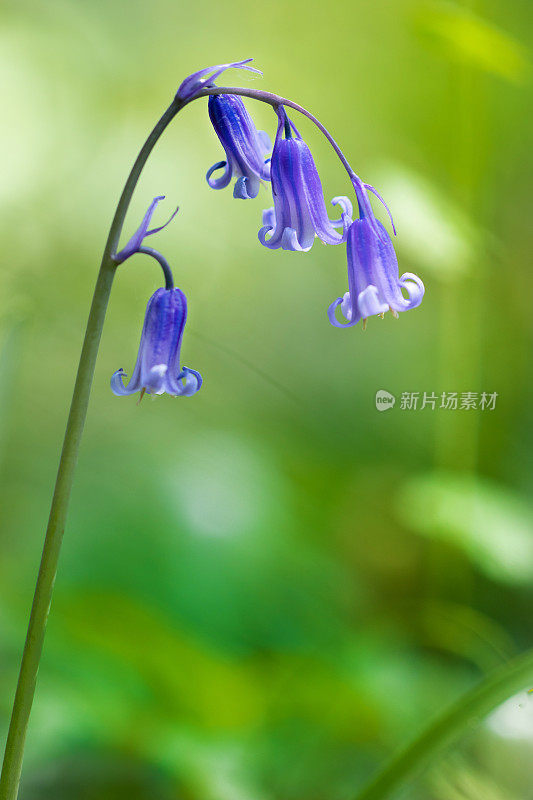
(136, 241)
(205, 78)
(244, 145)
(374, 285)
(299, 213)
(157, 369)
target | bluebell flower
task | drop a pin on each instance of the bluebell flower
(136, 241)
(205, 78)
(245, 147)
(374, 285)
(157, 369)
(299, 213)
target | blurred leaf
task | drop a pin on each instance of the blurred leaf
(432, 230)
(462, 780)
(466, 632)
(9, 347)
(492, 524)
(194, 684)
(98, 776)
(188, 682)
(472, 40)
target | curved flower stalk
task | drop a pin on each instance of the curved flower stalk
(374, 285)
(202, 79)
(157, 369)
(299, 213)
(244, 145)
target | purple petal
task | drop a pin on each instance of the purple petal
(269, 217)
(265, 140)
(154, 379)
(333, 319)
(263, 233)
(414, 288)
(178, 388)
(289, 241)
(369, 303)
(347, 211)
(222, 182)
(246, 188)
(117, 384)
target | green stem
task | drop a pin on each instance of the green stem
(11, 769)
(449, 726)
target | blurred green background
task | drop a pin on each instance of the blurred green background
(268, 588)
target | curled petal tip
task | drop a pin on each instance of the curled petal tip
(345, 204)
(263, 233)
(246, 188)
(340, 301)
(414, 288)
(193, 381)
(117, 383)
(222, 181)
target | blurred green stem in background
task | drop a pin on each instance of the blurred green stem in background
(449, 726)
(12, 766)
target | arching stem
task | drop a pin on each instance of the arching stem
(165, 266)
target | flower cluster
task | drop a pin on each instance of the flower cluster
(298, 215)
